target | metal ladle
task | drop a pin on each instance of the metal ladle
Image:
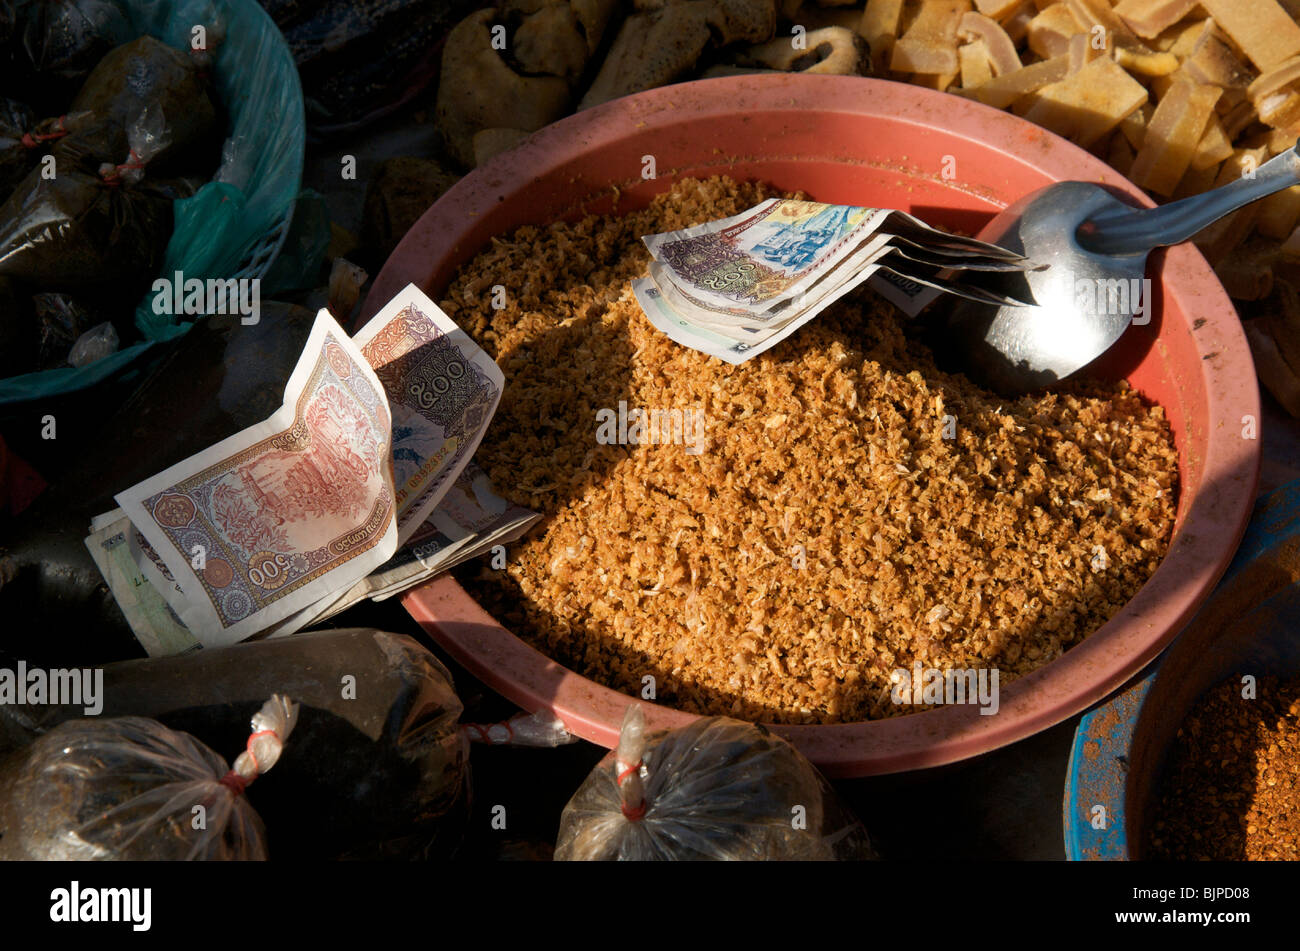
(1095, 248)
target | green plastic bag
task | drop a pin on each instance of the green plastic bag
(232, 226)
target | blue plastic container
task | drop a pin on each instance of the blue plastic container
(1249, 625)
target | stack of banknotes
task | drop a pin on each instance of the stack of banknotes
(359, 486)
(737, 287)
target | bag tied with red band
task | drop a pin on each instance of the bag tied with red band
(718, 789)
(129, 788)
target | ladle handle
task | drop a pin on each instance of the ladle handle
(1137, 231)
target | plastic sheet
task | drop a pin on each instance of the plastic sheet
(128, 789)
(718, 789)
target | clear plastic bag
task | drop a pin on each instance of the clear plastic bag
(523, 729)
(61, 320)
(95, 344)
(147, 75)
(24, 141)
(132, 789)
(91, 225)
(16, 121)
(718, 789)
(378, 768)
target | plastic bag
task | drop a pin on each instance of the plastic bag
(523, 729)
(24, 141)
(61, 320)
(127, 788)
(718, 789)
(95, 344)
(257, 182)
(16, 121)
(218, 228)
(62, 40)
(378, 767)
(147, 74)
(88, 226)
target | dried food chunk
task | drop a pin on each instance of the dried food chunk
(780, 561)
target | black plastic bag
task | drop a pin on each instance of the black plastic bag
(378, 766)
(127, 789)
(61, 41)
(718, 789)
(148, 74)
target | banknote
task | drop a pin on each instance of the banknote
(766, 256)
(442, 389)
(704, 339)
(152, 619)
(735, 345)
(814, 298)
(469, 521)
(909, 296)
(739, 286)
(273, 518)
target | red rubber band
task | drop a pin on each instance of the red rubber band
(31, 141)
(484, 733)
(114, 178)
(632, 813)
(249, 748)
(234, 782)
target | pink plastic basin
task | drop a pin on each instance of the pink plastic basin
(953, 163)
